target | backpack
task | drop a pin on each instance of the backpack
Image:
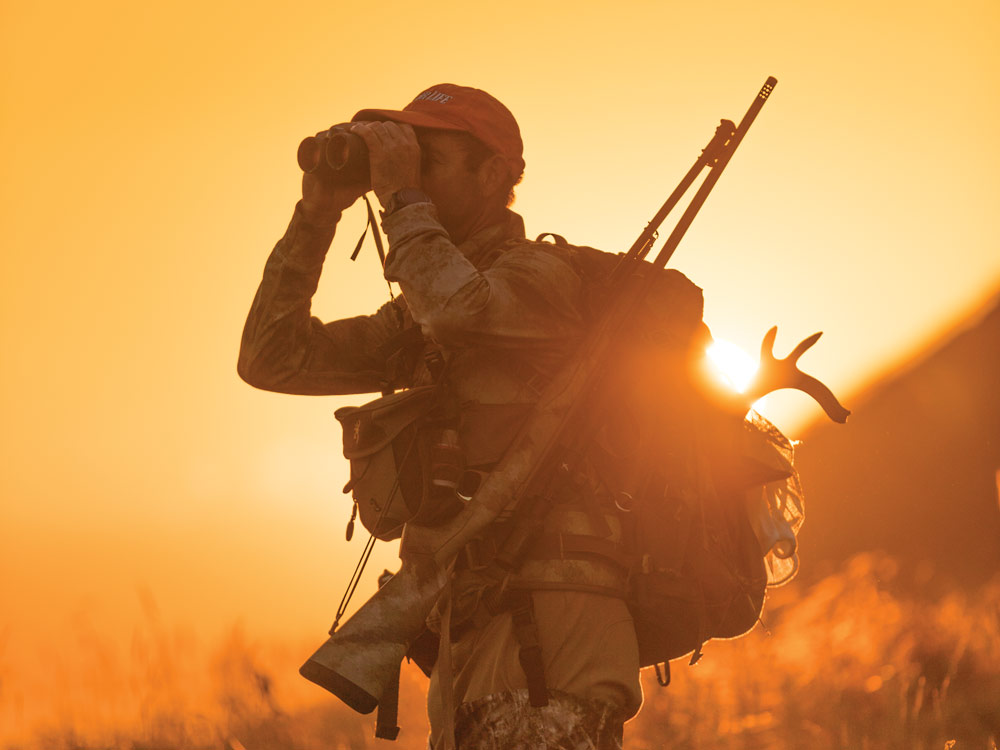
(710, 499)
(698, 490)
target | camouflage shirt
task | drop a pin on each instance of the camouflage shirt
(498, 306)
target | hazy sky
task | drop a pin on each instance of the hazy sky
(149, 167)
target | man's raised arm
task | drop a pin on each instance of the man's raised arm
(284, 348)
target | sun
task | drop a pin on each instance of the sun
(731, 364)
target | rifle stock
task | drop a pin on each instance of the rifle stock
(360, 659)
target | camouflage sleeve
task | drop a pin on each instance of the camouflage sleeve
(528, 298)
(287, 350)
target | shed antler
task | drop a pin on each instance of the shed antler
(774, 374)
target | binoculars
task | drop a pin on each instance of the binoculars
(337, 155)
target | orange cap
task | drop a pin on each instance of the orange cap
(450, 107)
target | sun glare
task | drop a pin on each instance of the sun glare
(733, 365)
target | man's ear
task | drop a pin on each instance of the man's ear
(493, 175)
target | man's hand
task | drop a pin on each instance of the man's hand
(394, 154)
(323, 200)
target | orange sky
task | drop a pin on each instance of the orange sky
(149, 166)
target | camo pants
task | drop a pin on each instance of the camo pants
(506, 721)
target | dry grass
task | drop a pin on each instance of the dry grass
(850, 663)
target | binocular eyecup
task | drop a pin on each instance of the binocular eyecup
(337, 155)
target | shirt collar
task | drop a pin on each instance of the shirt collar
(483, 247)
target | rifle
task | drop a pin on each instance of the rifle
(361, 658)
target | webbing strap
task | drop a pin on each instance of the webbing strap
(571, 546)
(386, 727)
(446, 678)
(556, 238)
(530, 653)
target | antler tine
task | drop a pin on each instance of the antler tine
(803, 346)
(775, 374)
(767, 344)
(824, 397)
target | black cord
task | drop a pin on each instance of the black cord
(379, 248)
(352, 585)
(366, 553)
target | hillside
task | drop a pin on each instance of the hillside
(915, 470)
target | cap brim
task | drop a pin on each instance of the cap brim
(417, 119)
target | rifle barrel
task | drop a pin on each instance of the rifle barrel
(709, 154)
(706, 187)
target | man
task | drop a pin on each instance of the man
(503, 313)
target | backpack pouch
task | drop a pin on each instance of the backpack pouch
(383, 442)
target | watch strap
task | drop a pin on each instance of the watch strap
(405, 197)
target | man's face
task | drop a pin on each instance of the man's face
(447, 178)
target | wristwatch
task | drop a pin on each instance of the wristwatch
(404, 197)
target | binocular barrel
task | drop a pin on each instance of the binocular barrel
(336, 155)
